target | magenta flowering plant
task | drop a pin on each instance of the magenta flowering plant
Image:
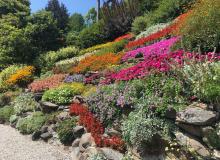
(158, 48)
(156, 63)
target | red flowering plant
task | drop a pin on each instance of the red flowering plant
(94, 126)
(173, 28)
(126, 36)
(47, 83)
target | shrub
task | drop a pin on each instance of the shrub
(203, 79)
(5, 74)
(65, 131)
(22, 76)
(47, 83)
(139, 24)
(7, 97)
(97, 62)
(5, 113)
(31, 123)
(50, 58)
(202, 33)
(24, 103)
(141, 127)
(64, 93)
(97, 157)
(74, 78)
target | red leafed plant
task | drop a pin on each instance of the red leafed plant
(93, 125)
(47, 83)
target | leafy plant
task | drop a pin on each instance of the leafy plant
(24, 103)
(5, 113)
(64, 93)
(65, 131)
(31, 123)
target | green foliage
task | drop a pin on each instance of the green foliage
(91, 16)
(76, 22)
(63, 94)
(139, 24)
(91, 35)
(50, 58)
(203, 80)
(65, 131)
(198, 33)
(24, 103)
(141, 127)
(5, 113)
(31, 123)
(42, 32)
(59, 12)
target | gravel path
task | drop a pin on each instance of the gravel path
(14, 146)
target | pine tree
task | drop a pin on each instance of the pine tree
(59, 12)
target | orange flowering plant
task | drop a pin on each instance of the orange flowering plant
(22, 76)
(97, 62)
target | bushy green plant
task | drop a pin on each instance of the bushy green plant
(63, 94)
(5, 113)
(31, 123)
(199, 33)
(65, 131)
(141, 127)
(139, 24)
(203, 80)
(24, 103)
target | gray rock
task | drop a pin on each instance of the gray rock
(63, 116)
(48, 107)
(76, 143)
(78, 131)
(191, 129)
(170, 113)
(44, 129)
(46, 136)
(216, 154)
(75, 154)
(63, 108)
(190, 143)
(199, 105)
(36, 135)
(89, 152)
(197, 116)
(38, 96)
(86, 141)
(112, 154)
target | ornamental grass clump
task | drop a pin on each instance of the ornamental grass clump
(97, 62)
(21, 77)
(47, 83)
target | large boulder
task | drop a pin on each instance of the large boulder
(48, 107)
(191, 129)
(192, 144)
(86, 141)
(197, 116)
(46, 136)
(112, 154)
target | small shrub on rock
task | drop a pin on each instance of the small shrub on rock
(24, 103)
(65, 131)
(31, 123)
(5, 113)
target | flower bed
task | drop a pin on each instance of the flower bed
(156, 48)
(126, 36)
(162, 33)
(93, 125)
(44, 84)
(21, 76)
(97, 62)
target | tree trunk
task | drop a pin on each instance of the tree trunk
(98, 9)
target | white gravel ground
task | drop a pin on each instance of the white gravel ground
(14, 146)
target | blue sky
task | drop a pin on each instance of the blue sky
(79, 6)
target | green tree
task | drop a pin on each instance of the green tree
(43, 33)
(59, 12)
(91, 16)
(76, 22)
